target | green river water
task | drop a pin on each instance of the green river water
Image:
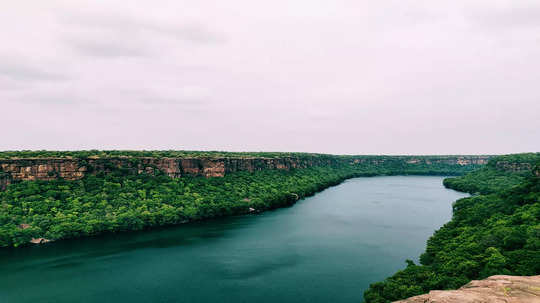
(326, 248)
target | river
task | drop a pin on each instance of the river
(326, 248)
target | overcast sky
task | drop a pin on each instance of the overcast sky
(340, 76)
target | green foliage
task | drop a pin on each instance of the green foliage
(497, 232)
(405, 283)
(484, 181)
(398, 165)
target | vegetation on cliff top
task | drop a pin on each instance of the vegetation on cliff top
(496, 232)
(148, 153)
(183, 154)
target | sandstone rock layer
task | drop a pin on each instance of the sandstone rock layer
(495, 289)
(76, 168)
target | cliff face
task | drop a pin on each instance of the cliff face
(495, 289)
(73, 169)
(76, 168)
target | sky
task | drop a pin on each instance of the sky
(340, 76)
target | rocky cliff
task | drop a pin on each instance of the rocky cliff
(75, 168)
(495, 289)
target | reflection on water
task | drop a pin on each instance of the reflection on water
(326, 248)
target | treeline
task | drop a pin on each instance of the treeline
(200, 154)
(495, 231)
(396, 165)
(148, 153)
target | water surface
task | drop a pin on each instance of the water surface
(326, 248)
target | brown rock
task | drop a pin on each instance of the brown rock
(39, 240)
(495, 289)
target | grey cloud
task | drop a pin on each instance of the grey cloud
(59, 97)
(14, 70)
(195, 33)
(107, 48)
(122, 36)
(518, 16)
(60, 100)
(192, 98)
(173, 101)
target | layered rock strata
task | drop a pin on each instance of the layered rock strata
(76, 168)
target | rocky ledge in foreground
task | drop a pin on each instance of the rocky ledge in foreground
(495, 289)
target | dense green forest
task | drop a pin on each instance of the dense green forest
(119, 201)
(395, 165)
(115, 202)
(485, 180)
(495, 231)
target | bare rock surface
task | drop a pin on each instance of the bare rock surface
(495, 289)
(39, 240)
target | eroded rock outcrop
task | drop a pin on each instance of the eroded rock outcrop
(495, 289)
(76, 168)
